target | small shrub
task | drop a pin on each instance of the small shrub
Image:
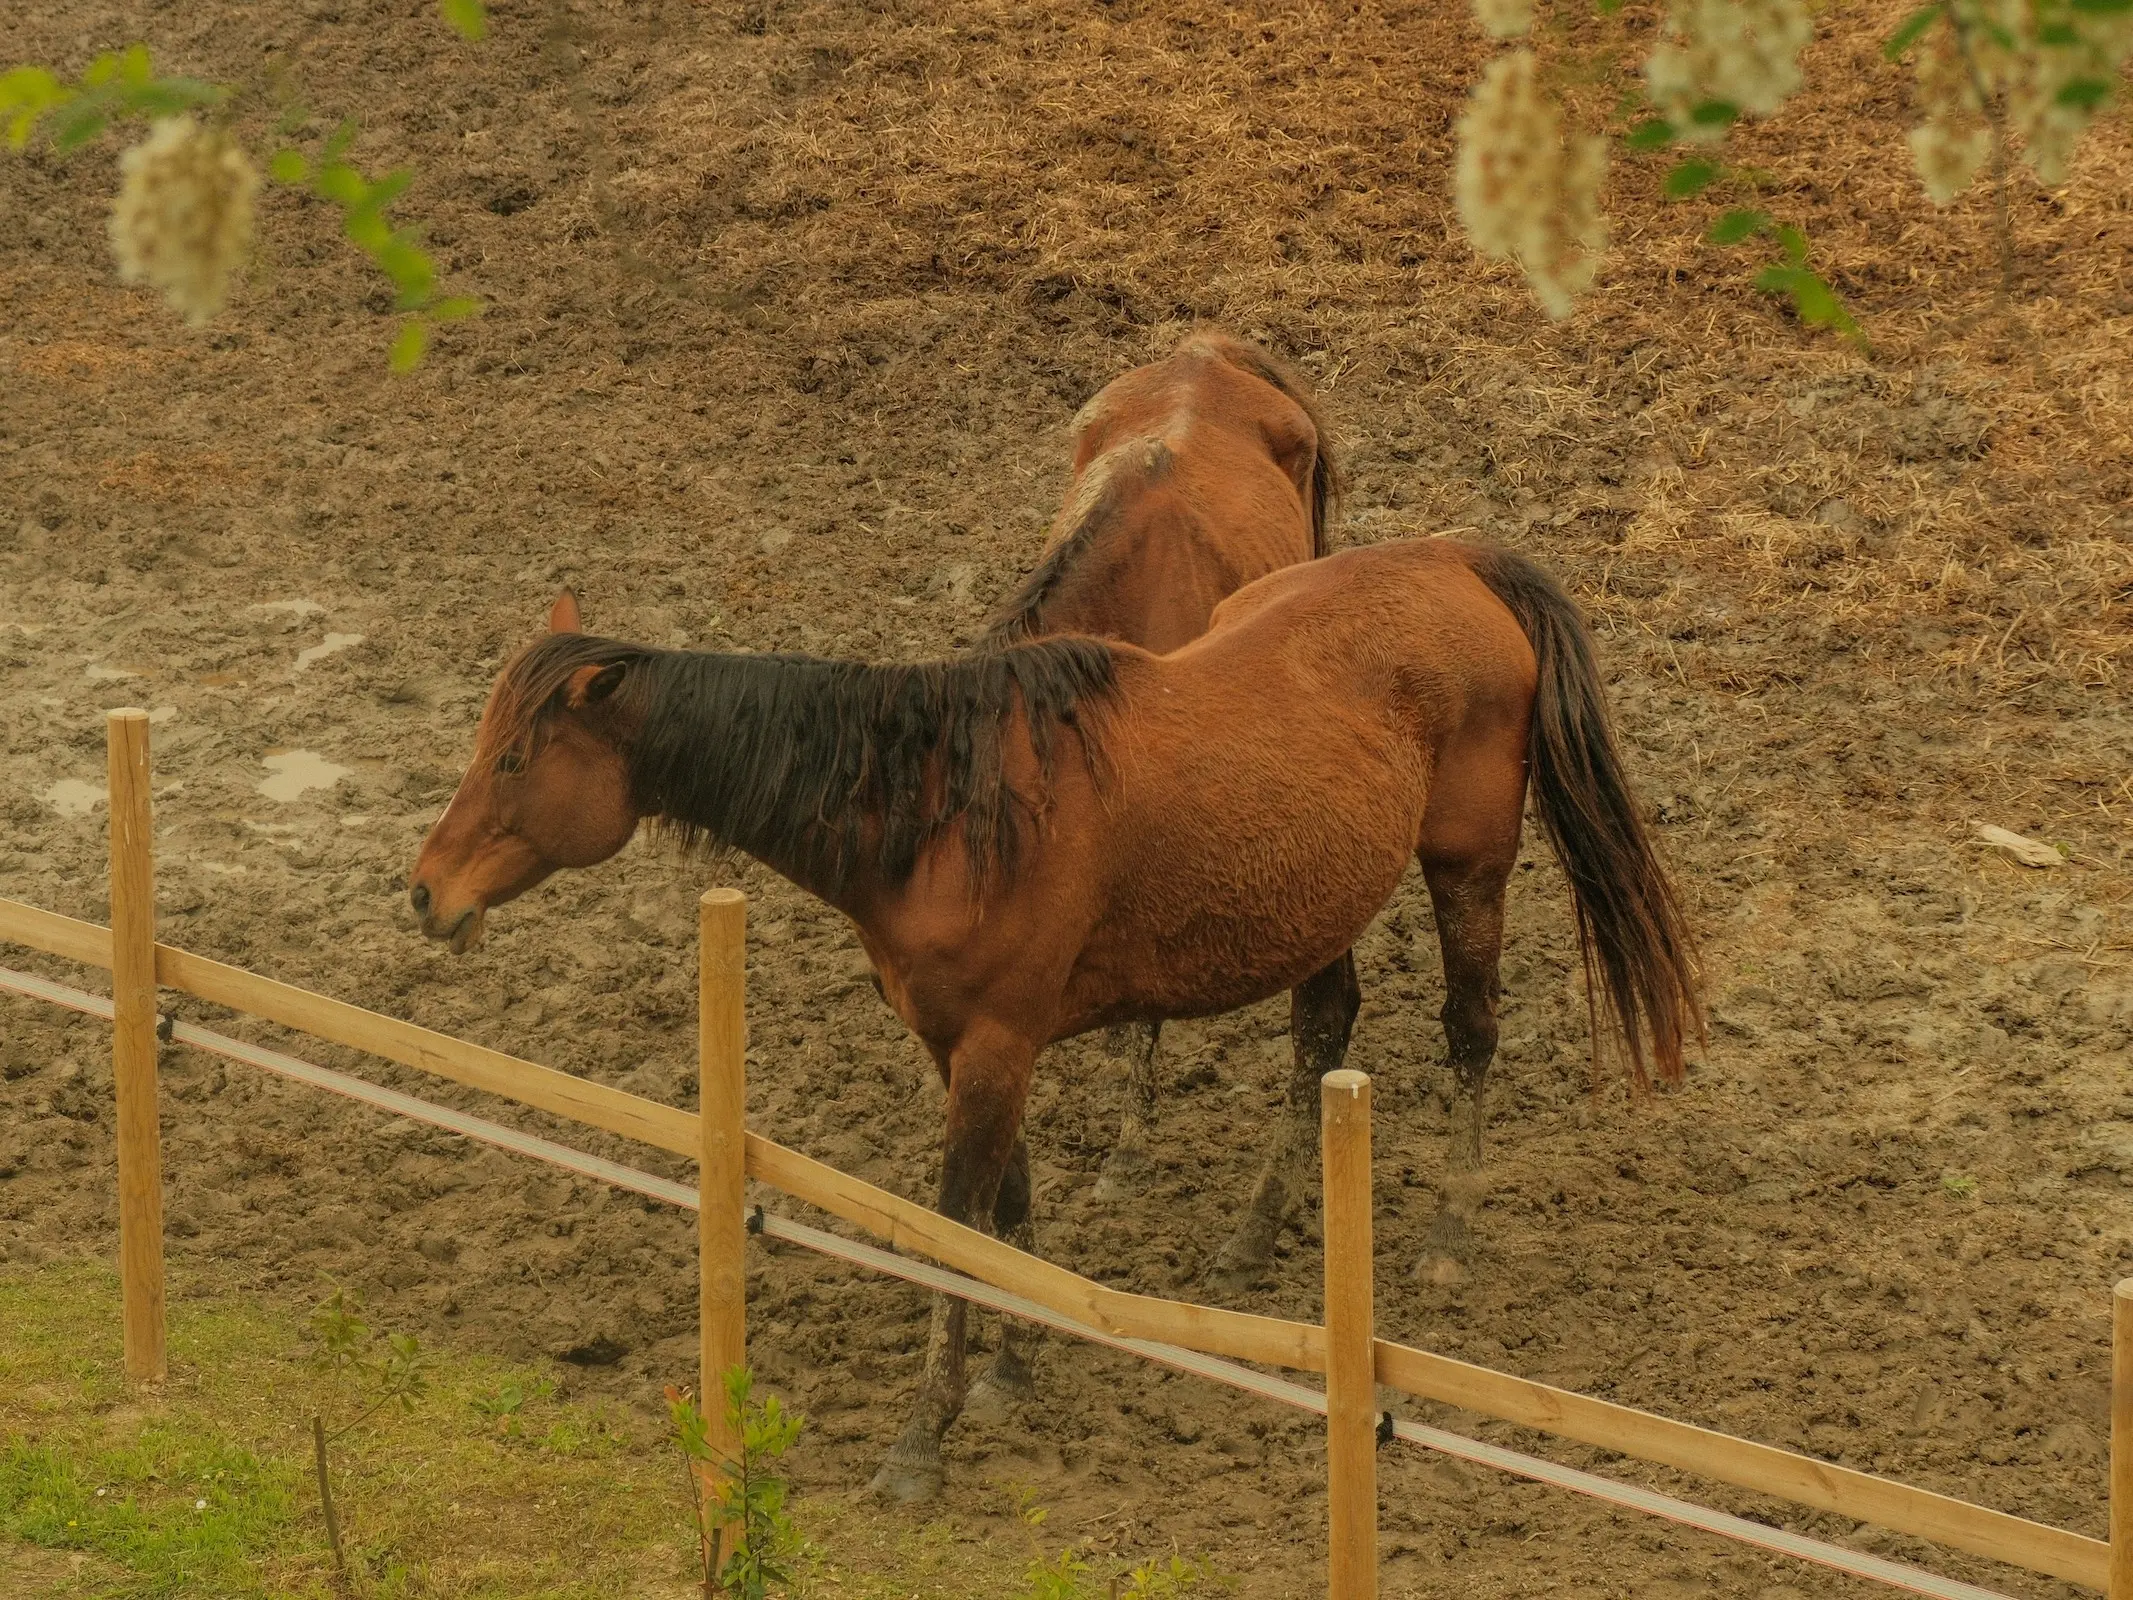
(1068, 1576)
(744, 1536)
(503, 1404)
(382, 1369)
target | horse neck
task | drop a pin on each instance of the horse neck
(712, 757)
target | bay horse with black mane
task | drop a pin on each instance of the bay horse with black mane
(1192, 476)
(1071, 834)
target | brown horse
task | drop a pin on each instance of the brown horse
(1192, 476)
(1072, 834)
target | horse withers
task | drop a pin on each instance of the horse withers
(1073, 833)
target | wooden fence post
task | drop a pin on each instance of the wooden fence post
(2122, 1441)
(1351, 1379)
(133, 1043)
(722, 1101)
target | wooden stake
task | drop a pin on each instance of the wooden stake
(325, 1497)
(721, 1233)
(1351, 1381)
(133, 1044)
(2122, 1441)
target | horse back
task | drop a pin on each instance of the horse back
(1406, 626)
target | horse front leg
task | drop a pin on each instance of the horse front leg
(1321, 1017)
(1128, 1168)
(988, 1085)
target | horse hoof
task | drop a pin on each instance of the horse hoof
(907, 1482)
(993, 1402)
(1244, 1260)
(1006, 1384)
(1446, 1250)
(1442, 1271)
(1234, 1271)
(1125, 1175)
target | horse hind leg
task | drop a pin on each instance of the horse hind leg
(1322, 1013)
(1010, 1379)
(1129, 1168)
(1468, 897)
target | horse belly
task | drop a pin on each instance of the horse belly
(1260, 879)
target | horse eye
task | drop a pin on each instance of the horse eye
(511, 763)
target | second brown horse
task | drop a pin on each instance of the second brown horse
(1192, 476)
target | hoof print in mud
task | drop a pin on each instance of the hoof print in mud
(598, 1351)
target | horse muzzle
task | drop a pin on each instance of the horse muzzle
(462, 932)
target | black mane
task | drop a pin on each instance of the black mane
(1020, 617)
(824, 767)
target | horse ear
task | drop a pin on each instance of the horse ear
(563, 615)
(588, 686)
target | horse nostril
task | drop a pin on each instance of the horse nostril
(420, 895)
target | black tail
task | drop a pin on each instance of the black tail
(1634, 940)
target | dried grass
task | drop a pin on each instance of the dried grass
(1284, 168)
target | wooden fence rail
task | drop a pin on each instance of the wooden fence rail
(716, 1138)
(1785, 1474)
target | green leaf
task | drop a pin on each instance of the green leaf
(1792, 242)
(367, 231)
(1690, 178)
(80, 122)
(1735, 226)
(339, 142)
(135, 67)
(2058, 33)
(1608, 8)
(388, 189)
(1813, 301)
(1913, 29)
(26, 94)
(1655, 134)
(21, 86)
(104, 69)
(2084, 94)
(163, 97)
(341, 184)
(411, 271)
(410, 345)
(1715, 114)
(468, 18)
(2103, 8)
(289, 166)
(454, 308)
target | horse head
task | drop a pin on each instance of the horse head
(548, 786)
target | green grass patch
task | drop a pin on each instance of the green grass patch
(490, 1489)
(205, 1488)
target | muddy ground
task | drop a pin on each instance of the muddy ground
(788, 306)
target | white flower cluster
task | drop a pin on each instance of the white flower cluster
(1739, 53)
(1503, 19)
(1954, 140)
(1525, 194)
(183, 219)
(2025, 54)
(2050, 128)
